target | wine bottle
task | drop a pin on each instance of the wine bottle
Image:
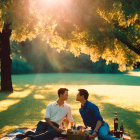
(115, 121)
(121, 127)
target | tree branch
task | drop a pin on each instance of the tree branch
(124, 39)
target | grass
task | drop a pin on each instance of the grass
(111, 92)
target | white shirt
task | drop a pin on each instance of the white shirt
(57, 113)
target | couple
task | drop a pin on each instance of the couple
(58, 110)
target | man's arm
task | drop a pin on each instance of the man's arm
(98, 125)
(51, 124)
(85, 125)
(69, 115)
(48, 116)
(99, 119)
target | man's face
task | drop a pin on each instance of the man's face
(78, 97)
(65, 95)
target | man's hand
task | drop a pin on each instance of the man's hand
(58, 129)
(85, 127)
(52, 125)
(94, 134)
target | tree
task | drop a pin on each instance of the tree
(6, 82)
(17, 21)
(102, 29)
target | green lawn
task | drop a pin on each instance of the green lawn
(111, 92)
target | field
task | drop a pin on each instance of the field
(111, 92)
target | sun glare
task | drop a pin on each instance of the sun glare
(50, 1)
(54, 2)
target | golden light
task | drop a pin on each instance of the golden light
(138, 122)
(111, 94)
(38, 96)
(14, 98)
(48, 102)
(51, 2)
(43, 111)
(55, 6)
(55, 2)
(134, 73)
(21, 94)
(7, 128)
(5, 104)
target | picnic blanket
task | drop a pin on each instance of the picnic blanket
(12, 135)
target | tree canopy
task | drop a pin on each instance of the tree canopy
(102, 29)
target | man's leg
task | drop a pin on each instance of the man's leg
(41, 128)
(103, 133)
(46, 136)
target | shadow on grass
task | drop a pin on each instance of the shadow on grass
(29, 110)
(130, 118)
(4, 95)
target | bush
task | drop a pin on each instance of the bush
(21, 67)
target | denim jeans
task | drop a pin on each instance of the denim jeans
(42, 127)
(49, 132)
(49, 135)
(103, 133)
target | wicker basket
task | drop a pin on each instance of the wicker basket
(71, 136)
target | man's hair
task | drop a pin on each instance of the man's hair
(61, 91)
(84, 93)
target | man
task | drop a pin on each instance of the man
(91, 117)
(55, 113)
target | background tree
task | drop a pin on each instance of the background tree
(102, 29)
(37, 54)
(17, 22)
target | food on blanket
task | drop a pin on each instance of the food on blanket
(65, 124)
(86, 132)
(64, 132)
(91, 137)
(80, 132)
(71, 123)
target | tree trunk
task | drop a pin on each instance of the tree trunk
(6, 62)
